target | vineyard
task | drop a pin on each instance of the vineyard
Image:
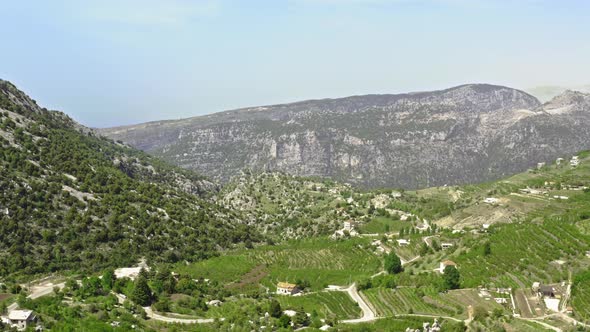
(324, 303)
(320, 261)
(389, 302)
(522, 253)
(581, 296)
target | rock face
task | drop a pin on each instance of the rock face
(464, 134)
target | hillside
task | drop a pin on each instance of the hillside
(466, 134)
(72, 201)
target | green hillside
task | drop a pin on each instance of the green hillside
(74, 201)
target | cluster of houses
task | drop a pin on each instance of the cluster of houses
(427, 327)
(574, 162)
(348, 227)
(20, 319)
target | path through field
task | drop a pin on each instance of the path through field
(37, 291)
(368, 314)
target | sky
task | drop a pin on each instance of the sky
(118, 62)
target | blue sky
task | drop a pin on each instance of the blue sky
(116, 62)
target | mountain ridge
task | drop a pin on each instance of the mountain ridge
(413, 140)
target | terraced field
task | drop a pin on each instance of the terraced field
(388, 302)
(320, 261)
(523, 253)
(324, 303)
(581, 296)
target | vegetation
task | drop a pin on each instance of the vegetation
(74, 201)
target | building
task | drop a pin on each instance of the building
(21, 319)
(501, 300)
(285, 288)
(575, 161)
(446, 245)
(446, 263)
(491, 200)
(349, 225)
(402, 242)
(547, 291)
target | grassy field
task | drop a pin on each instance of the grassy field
(324, 303)
(320, 261)
(382, 225)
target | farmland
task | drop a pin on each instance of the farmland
(426, 300)
(324, 303)
(383, 225)
(581, 296)
(522, 253)
(320, 261)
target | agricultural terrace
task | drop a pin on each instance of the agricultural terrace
(426, 300)
(326, 304)
(320, 261)
(522, 253)
(581, 296)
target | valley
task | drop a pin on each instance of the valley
(505, 255)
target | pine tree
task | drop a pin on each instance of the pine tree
(142, 294)
(393, 263)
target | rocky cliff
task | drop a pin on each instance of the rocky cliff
(464, 134)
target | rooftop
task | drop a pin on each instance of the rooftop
(286, 285)
(20, 314)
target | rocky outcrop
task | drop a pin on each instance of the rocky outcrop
(469, 133)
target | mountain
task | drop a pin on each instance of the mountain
(73, 201)
(548, 92)
(470, 133)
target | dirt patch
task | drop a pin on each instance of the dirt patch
(5, 296)
(252, 277)
(177, 297)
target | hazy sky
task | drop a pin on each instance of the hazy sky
(115, 62)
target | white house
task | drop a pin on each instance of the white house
(491, 200)
(446, 245)
(21, 319)
(446, 263)
(349, 225)
(575, 161)
(402, 242)
(285, 288)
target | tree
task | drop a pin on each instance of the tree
(423, 249)
(142, 294)
(284, 321)
(451, 277)
(108, 279)
(393, 263)
(275, 309)
(487, 249)
(480, 313)
(301, 318)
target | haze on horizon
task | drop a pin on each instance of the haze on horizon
(109, 63)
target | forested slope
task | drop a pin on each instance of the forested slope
(71, 200)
